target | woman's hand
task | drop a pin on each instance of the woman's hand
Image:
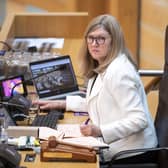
(90, 130)
(50, 104)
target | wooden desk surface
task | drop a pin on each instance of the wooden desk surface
(70, 118)
(38, 164)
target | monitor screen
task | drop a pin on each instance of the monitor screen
(53, 76)
(12, 86)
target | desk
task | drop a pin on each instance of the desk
(68, 118)
(38, 164)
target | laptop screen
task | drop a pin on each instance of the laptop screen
(53, 76)
(12, 86)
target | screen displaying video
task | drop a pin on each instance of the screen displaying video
(12, 86)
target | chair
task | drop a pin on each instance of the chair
(159, 154)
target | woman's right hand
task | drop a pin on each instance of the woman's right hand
(90, 130)
(50, 104)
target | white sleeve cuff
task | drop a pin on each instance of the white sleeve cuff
(76, 103)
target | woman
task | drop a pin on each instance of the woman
(115, 99)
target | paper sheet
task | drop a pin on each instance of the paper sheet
(88, 141)
(70, 130)
(46, 132)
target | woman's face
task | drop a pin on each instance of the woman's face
(99, 43)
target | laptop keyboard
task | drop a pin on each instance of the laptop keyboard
(48, 120)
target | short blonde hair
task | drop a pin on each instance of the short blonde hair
(89, 66)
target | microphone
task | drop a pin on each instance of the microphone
(18, 106)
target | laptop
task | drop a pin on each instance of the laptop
(54, 78)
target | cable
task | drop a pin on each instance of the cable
(6, 44)
(10, 47)
(11, 104)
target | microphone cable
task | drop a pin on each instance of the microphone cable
(11, 104)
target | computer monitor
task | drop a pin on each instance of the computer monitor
(12, 86)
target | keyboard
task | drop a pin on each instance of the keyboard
(48, 120)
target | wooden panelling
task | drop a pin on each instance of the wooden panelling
(13, 7)
(152, 47)
(50, 5)
(8, 28)
(154, 14)
(153, 41)
(148, 64)
(127, 12)
(128, 17)
(51, 25)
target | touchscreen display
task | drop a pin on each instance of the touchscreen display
(13, 86)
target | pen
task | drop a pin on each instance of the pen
(86, 122)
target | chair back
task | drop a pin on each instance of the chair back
(161, 121)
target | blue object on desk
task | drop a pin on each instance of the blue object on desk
(80, 113)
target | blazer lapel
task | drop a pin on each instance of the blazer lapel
(93, 91)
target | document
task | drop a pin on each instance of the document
(62, 131)
(46, 132)
(87, 141)
(70, 130)
(70, 133)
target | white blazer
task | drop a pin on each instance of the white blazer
(117, 104)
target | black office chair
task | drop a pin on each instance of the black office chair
(158, 155)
